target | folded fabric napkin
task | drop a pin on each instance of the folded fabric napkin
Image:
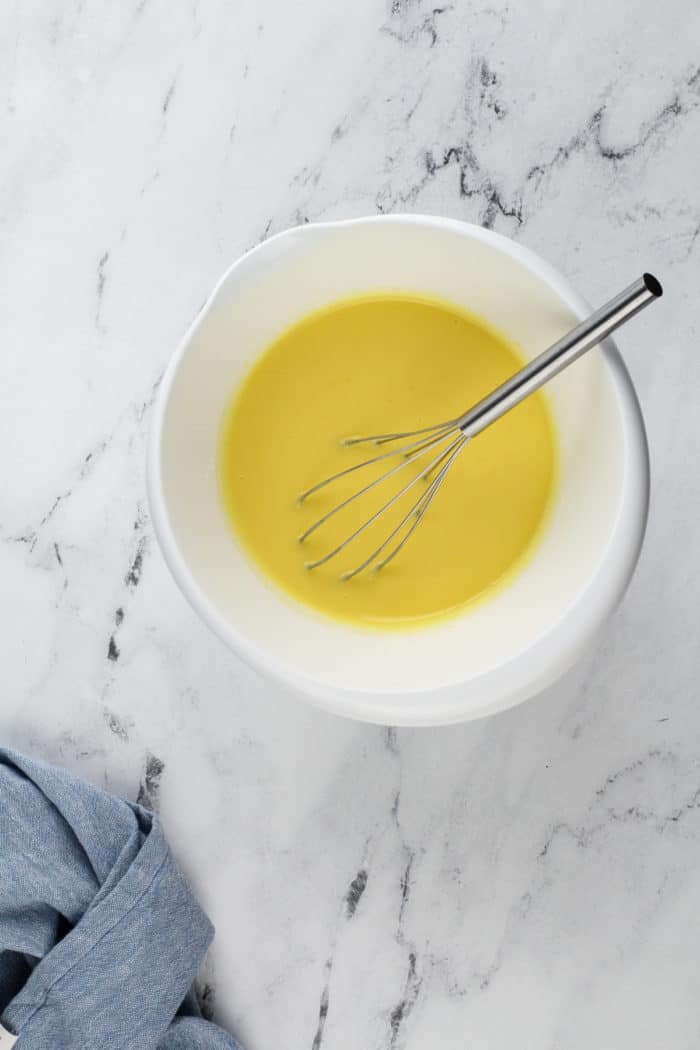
(100, 935)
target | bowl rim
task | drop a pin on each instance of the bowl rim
(528, 671)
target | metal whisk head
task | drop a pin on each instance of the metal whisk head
(432, 450)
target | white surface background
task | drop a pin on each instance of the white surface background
(533, 879)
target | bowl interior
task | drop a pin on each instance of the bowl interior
(260, 296)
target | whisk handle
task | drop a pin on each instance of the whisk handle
(560, 355)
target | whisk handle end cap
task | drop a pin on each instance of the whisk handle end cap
(653, 284)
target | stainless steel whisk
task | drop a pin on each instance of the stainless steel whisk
(443, 442)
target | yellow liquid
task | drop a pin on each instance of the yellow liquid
(384, 363)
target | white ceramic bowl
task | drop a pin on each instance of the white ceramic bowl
(505, 649)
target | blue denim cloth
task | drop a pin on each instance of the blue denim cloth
(100, 936)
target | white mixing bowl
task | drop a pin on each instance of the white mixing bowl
(504, 649)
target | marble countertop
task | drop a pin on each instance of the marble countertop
(530, 880)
